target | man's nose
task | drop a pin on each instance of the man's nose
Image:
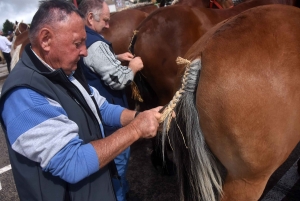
(83, 51)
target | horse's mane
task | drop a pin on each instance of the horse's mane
(137, 5)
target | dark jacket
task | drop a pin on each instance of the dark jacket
(116, 97)
(31, 182)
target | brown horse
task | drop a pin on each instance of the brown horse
(240, 97)
(121, 27)
(123, 23)
(170, 31)
(147, 8)
(166, 34)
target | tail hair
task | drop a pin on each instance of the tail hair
(198, 174)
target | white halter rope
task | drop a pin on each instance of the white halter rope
(17, 28)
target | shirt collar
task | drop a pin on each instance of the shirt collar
(47, 65)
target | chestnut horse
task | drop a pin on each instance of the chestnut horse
(124, 22)
(145, 7)
(121, 26)
(170, 31)
(240, 98)
(166, 34)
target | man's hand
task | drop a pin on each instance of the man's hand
(146, 123)
(125, 56)
(136, 64)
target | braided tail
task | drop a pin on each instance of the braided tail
(198, 174)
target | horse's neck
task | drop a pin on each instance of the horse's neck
(21, 38)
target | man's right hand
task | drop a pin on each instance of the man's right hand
(136, 64)
(147, 123)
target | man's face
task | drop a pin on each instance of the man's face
(103, 22)
(67, 45)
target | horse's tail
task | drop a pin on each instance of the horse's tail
(198, 174)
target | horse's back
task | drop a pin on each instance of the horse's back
(122, 25)
(148, 8)
(248, 95)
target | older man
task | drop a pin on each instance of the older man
(53, 120)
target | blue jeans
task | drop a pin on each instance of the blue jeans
(121, 186)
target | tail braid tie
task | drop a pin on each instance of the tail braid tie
(167, 113)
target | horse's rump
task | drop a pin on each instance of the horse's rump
(170, 31)
(247, 100)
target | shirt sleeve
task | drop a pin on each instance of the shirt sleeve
(103, 61)
(7, 42)
(111, 114)
(39, 129)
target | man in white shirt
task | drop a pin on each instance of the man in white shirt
(5, 47)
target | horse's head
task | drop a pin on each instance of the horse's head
(20, 28)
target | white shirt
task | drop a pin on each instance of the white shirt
(5, 44)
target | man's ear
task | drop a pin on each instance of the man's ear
(45, 38)
(90, 18)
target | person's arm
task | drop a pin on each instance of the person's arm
(103, 62)
(143, 126)
(127, 56)
(39, 129)
(7, 42)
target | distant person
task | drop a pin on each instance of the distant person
(5, 47)
(103, 70)
(53, 120)
(10, 36)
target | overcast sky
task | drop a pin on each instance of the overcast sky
(17, 10)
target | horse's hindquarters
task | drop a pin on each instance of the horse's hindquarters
(248, 96)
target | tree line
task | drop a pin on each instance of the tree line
(7, 26)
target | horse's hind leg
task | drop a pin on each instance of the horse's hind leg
(243, 189)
